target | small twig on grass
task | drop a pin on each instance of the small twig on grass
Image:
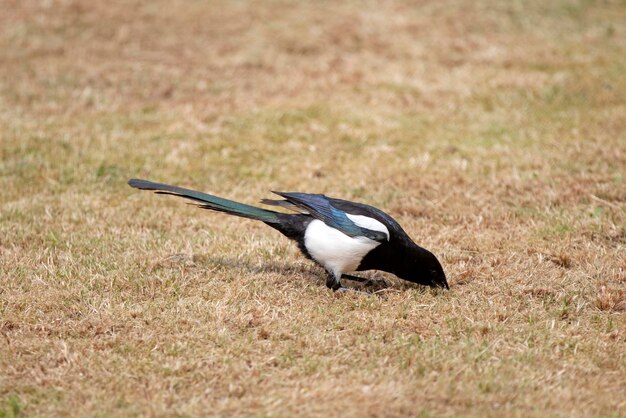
(606, 202)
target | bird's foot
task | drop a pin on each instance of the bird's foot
(379, 284)
(382, 284)
(332, 282)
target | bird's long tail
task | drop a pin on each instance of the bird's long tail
(207, 201)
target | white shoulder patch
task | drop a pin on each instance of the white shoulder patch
(369, 223)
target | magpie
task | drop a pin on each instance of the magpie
(340, 235)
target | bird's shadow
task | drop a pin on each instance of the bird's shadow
(209, 262)
(375, 281)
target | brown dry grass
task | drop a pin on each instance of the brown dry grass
(494, 131)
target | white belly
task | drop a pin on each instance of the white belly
(334, 250)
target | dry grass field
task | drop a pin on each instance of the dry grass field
(494, 131)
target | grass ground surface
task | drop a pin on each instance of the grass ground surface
(495, 132)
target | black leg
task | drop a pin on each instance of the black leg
(366, 282)
(354, 278)
(332, 282)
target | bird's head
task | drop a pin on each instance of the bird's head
(424, 268)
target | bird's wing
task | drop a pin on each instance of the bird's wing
(319, 207)
(285, 204)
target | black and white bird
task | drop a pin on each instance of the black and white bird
(340, 235)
